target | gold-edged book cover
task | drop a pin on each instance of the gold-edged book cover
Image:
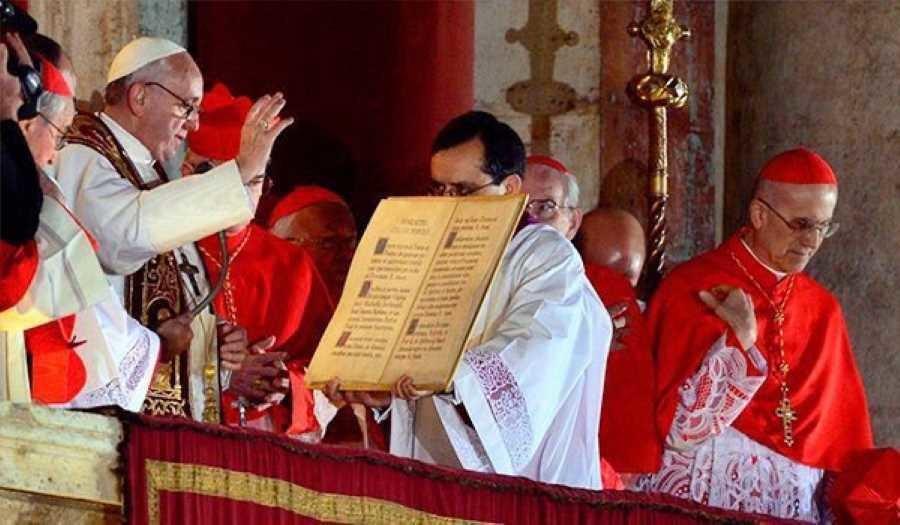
(416, 284)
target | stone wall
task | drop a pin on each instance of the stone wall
(581, 47)
(93, 31)
(825, 75)
(537, 67)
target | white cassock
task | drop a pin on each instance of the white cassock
(132, 225)
(118, 354)
(531, 380)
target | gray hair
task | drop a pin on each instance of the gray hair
(572, 191)
(116, 90)
(51, 105)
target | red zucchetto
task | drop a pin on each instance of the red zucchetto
(222, 116)
(544, 160)
(53, 80)
(798, 166)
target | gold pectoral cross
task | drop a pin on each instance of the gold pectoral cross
(786, 414)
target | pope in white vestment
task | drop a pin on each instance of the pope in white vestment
(133, 225)
(531, 380)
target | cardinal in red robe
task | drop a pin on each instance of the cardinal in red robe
(611, 243)
(321, 222)
(271, 287)
(758, 393)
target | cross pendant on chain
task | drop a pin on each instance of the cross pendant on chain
(786, 414)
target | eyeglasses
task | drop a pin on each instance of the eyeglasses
(60, 134)
(545, 209)
(187, 109)
(437, 189)
(825, 229)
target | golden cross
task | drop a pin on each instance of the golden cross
(787, 416)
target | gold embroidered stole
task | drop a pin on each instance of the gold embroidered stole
(153, 293)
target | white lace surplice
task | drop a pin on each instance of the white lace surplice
(532, 378)
(119, 356)
(708, 461)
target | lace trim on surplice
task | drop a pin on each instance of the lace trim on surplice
(708, 461)
(506, 401)
(132, 369)
(715, 396)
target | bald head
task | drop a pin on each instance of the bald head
(613, 238)
(787, 222)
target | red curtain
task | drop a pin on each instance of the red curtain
(370, 83)
(181, 472)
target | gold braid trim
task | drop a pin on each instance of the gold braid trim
(279, 494)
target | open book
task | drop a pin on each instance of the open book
(418, 278)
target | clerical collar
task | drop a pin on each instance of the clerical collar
(137, 152)
(778, 275)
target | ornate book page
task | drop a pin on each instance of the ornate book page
(417, 280)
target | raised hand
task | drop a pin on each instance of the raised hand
(262, 126)
(733, 306)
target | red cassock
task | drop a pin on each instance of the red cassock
(57, 373)
(825, 387)
(18, 265)
(868, 490)
(628, 437)
(273, 288)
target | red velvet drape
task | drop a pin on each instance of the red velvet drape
(183, 472)
(370, 83)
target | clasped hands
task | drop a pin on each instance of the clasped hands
(402, 389)
(258, 376)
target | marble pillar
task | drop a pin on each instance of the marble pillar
(824, 75)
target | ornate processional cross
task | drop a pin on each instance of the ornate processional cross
(658, 90)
